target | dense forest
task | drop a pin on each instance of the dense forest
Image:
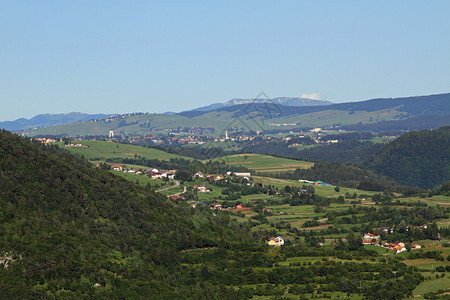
(67, 227)
(419, 158)
(348, 175)
(352, 151)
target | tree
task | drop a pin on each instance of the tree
(183, 174)
(310, 189)
(354, 242)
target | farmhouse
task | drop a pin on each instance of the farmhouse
(398, 248)
(157, 175)
(201, 189)
(198, 175)
(216, 206)
(276, 241)
(117, 167)
(371, 236)
(170, 174)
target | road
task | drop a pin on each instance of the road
(177, 183)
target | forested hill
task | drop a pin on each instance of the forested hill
(419, 158)
(69, 230)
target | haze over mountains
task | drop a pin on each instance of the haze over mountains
(407, 113)
(287, 101)
(46, 120)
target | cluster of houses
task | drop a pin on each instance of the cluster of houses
(77, 145)
(373, 239)
(157, 174)
(209, 176)
(218, 206)
(45, 140)
(153, 173)
(212, 206)
(245, 175)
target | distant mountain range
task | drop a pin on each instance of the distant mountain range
(46, 120)
(286, 101)
(419, 105)
(378, 115)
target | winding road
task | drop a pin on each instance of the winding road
(177, 183)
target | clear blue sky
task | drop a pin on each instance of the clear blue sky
(132, 56)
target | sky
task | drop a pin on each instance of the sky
(146, 56)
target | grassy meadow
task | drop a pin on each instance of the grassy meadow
(102, 150)
(325, 191)
(264, 163)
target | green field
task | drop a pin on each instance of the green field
(264, 163)
(325, 191)
(435, 200)
(432, 286)
(102, 150)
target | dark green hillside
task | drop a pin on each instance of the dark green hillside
(420, 158)
(344, 174)
(353, 151)
(69, 230)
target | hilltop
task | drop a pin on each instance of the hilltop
(286, 101)
(419, 158)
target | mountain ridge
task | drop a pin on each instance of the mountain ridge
(264, 116)
(440, 105)
(287, 101)
(45, 120)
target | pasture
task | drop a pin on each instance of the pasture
(324, 191)
(264, 163)
(102, 150)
